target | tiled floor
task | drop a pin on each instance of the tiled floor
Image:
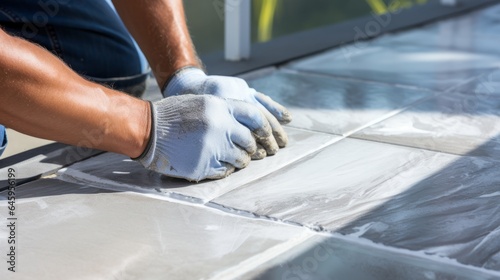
(69, 231)
(392, 172)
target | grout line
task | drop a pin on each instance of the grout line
(417, 148)
(390, 115)
(253, 215)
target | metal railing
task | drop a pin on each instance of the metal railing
(237, 40)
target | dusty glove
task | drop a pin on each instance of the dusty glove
(195, 81)
(198, 137)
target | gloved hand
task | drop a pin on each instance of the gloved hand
(195, 81)
(198, 137)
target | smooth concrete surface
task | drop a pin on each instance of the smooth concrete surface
(392, 172)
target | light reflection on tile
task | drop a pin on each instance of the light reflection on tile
(419, 66)
(67, 231)
(331, 105)
(408, 198)
(452, 124)
(119, 172)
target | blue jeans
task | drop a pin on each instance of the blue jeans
(87, 35)
(3, 139)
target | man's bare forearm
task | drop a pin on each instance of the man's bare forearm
(43, 97)
(159, 27)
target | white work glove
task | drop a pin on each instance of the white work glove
(191, 80)
(198, 137)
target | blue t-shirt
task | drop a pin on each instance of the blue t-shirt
(3, 139)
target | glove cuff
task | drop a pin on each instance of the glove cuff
(179, 82)
(152, 136)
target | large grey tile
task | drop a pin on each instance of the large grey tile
(334, 257)
(120, 173)
(413, 199)
(69, 231)
(420, 66)
(453, 124)
(331, 105)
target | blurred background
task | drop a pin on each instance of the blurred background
(275, 18)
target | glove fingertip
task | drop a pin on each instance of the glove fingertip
(281, 139)
(259, 154)
(222, 172)
(284, 117)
